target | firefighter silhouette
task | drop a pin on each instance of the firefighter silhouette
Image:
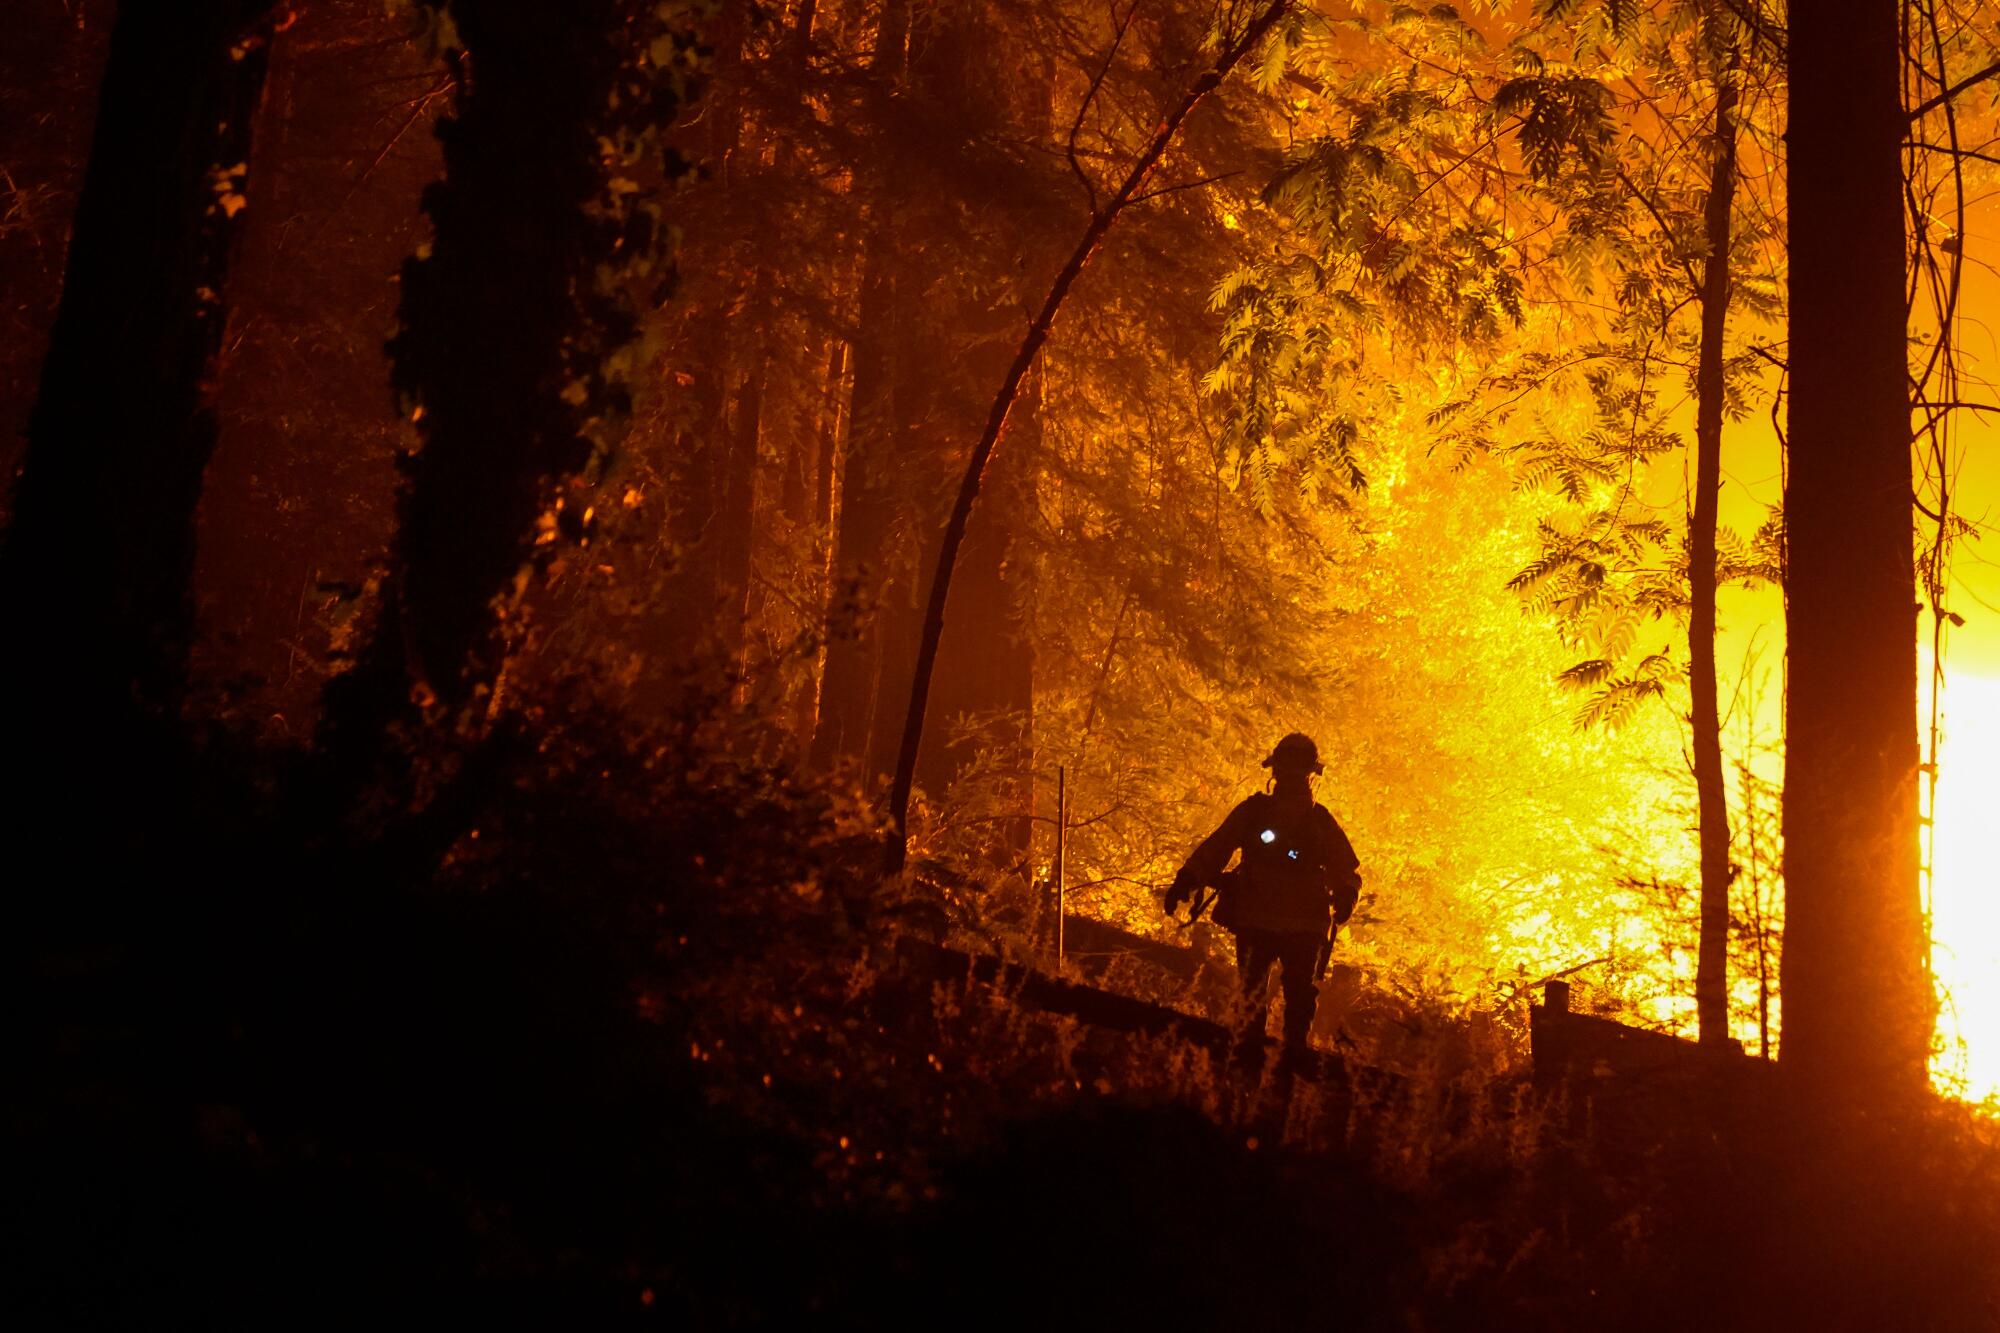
(1297, 882)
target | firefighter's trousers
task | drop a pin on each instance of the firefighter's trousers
(1256, 951)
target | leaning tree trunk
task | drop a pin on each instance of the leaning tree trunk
(1711, 981)
(1858, 1008)
(1234, 48)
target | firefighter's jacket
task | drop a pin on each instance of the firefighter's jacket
(1297, 864)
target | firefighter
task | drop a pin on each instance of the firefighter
(1296, 884)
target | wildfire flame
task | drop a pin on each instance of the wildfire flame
(1966, 890)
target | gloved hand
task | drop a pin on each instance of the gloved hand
(1345, 896)
(1180, 891)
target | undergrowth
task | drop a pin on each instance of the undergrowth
(631, 1040)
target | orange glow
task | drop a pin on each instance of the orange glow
(1966, 890)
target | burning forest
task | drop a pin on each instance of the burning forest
(762, 663)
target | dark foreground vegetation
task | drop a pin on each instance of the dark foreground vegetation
(635, 1047)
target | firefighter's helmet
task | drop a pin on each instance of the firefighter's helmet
(1296, 751)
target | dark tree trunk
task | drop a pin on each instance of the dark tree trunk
(115, 874)
(53, 61)
(94, 574)
(1858, 1008)
(1711, 983)
(731, 436)
(504, 349)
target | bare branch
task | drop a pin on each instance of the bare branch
(1119, 28)
(1931, 104)
(1694, 279)
(1946, 149)
(1185, 185)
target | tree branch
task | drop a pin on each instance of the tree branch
(1935, 101)
(1119, 29)
(1185, 185)
(1766, 29)
(1694, 279)
(1972, 153)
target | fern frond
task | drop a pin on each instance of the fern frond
(1584, 674)
(1537, 571)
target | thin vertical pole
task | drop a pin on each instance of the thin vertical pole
(1062, 830)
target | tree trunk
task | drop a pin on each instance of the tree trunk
(504, 351)
(866, 509)
(867, 502)
(739, 338)
(1858, 1008)
(819, 521)
(735, 527)
(97, 559)
(1711, 982)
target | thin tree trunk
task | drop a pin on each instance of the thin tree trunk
(1711, 982)
(861, 530)
(996, 423)
(827, 437)
(808, 421)
(735, 528)
(731, 525)
(715, 477)
(1858, 1008)
(867, 505)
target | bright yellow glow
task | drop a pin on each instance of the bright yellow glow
(1966, 888)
